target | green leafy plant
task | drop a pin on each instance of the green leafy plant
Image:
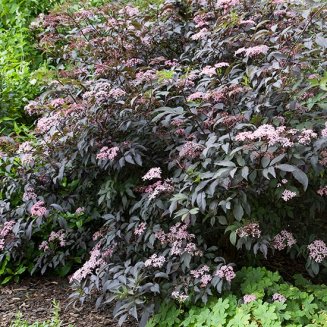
(55, 320)
(274, 303)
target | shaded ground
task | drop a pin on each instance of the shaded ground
(33, 298)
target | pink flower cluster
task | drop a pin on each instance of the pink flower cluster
(252, 230)
(155, 261)
(226, 272)
(32, 108)
(117, 93)
(282, 240)
(25, 147)
(54, 236)
(94, 262)
(57, 103)
(4, 231)
(146, 76)
(202, 19)
(227, 4)
(190, 150)
(306, 136)
(158, 188)
(322, 191)
(270, 133)
(58, 236)
(179, 296)
(140, 229)
(38, 209)
(253, 51)
(44, 124)
(288, 195)
(80, 210)
(249, 298)
(179, 240)
(29, 194)
(152, 174)
(108, 153)
(202, 34)
(97, 235)
(324, 131)
(317, 250)
(211, 70)
(201, 274)
(279, 297)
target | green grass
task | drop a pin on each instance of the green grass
(53, 322)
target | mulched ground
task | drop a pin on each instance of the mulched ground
(33, 298)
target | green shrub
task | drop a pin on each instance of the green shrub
(251, 303)
(21, 66)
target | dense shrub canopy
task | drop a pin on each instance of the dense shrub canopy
(177, 136)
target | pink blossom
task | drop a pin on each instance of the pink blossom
(2, 244)
(181, 297)
(200, 271)
(25, 147)
(324, 131)
(117, 93)
(56, 103)
(152, 174)
(249, 298)
(288, 195)
(7, 228)
(58, 236)
(282, 240)
(279, 297)
(179, 239)
(226, 272)
(196, 96)
(221, 64)
(252, 230)
(32, 108)
(322, 191)
(130, 10)
(160, 187)
(270, 133)
(44, 246)
(80, 210)
(94, 262)
(202, 34)
(208, 70)
(190, 150)
(132, 62)
(38, 209)
(139, 230)
(97, 235)
(27, 159)
(306, 136)
(146, 76)
(253, 51)
(44, 124)
(29, 194)
(108, 153)
(317, 250)
(247, 22)
(155, 261)
(227, 4)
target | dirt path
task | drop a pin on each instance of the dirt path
(33, 298)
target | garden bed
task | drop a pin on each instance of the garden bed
(33, 297)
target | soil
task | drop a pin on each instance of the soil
(33, 298)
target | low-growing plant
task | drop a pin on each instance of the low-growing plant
(55, 321)
(258, 298)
